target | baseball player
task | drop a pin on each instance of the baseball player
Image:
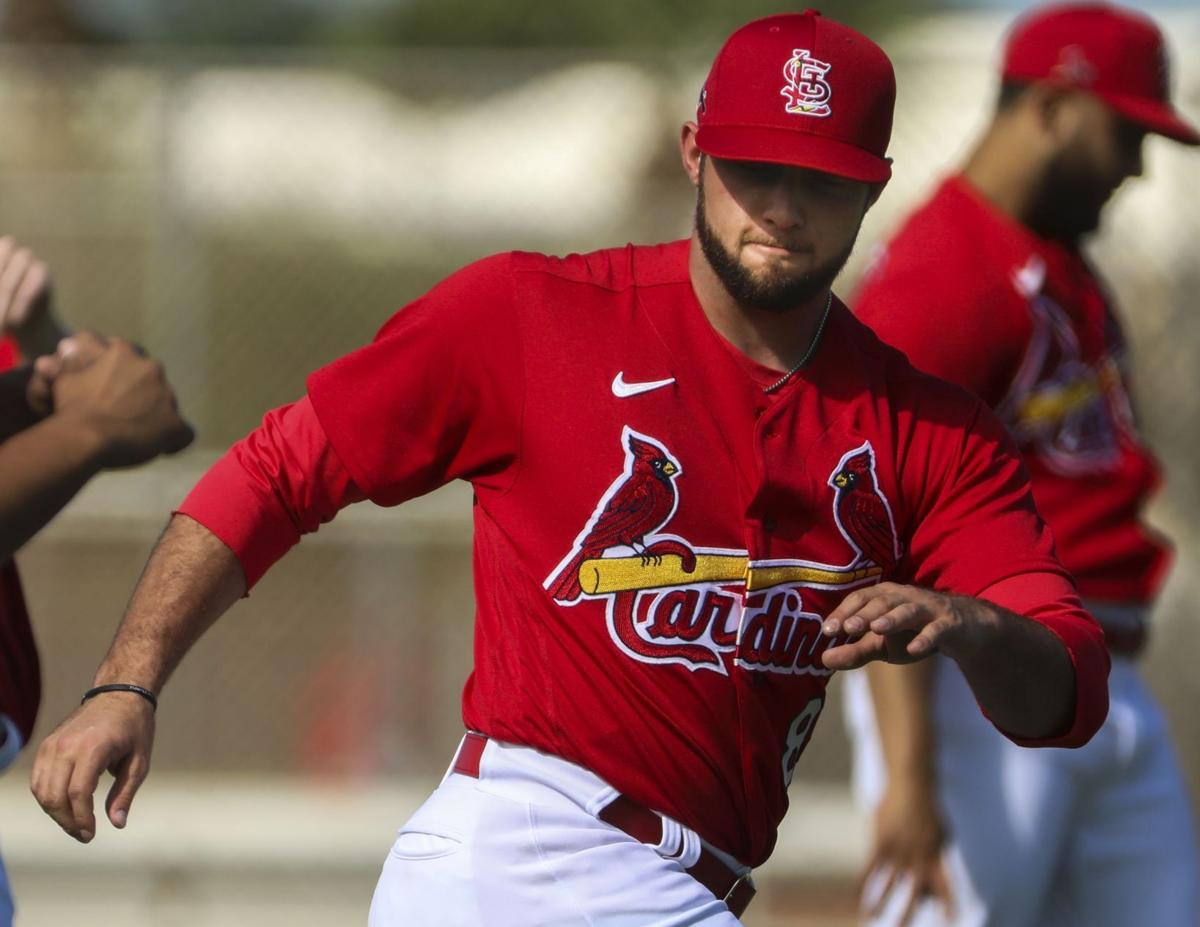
(76, 405)
(701, 487)
(986, 286)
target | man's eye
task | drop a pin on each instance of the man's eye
(829, 182)
(759, 172)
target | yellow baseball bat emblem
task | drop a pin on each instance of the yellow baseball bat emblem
(608, 575)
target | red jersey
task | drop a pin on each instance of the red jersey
(20, 672)
(972, 296)
(657, 540)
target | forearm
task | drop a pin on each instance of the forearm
(901, 699)
(1019, 670)
(248, 510)
(41, 470)
(191, 579)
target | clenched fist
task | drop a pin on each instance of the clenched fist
(125, 401)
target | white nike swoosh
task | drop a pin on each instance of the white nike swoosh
(624, 390)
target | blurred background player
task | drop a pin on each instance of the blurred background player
(70, 406)
(986, 286)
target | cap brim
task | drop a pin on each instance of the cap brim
(797, 149)
(1154, 116)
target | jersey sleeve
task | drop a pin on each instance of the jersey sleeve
(281, 481)
(972, 517)
(976, 529)
(948, 317)
(437, 396)
(1051, 600)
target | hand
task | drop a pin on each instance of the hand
(900, 624)
(113, 731)
(73, 353)
(26, 301)
(907, 851)
(125, 399)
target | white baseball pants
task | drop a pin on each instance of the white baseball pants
(1100, 836)
(521, 846)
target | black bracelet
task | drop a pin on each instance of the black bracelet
(122, 687)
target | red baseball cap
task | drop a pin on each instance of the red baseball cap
(1117, 54)
(802, 90)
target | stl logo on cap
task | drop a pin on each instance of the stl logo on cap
(807, 91)
(1073, 65)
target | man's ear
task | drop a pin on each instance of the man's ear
(690, 153)
(1052, 108)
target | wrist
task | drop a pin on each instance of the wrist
(127, 672)
(912, 780)
(82, 436)
(122, 688)
(977, 626)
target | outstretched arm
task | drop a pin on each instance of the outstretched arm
(1020, 670)
(253, 505)
(192, 578)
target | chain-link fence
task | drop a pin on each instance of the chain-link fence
(248, 217)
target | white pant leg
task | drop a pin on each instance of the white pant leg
(1133, 857)
(1007, 809)
(485, 853)
(1100, 836)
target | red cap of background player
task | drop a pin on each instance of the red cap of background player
(802, 90)
(1115, 53)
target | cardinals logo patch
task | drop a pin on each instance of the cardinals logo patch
(1073, 413)
(807, 91)
(669, 601)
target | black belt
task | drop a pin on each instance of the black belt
(642, 825)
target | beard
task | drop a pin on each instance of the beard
(1068, 204)
(770, 291)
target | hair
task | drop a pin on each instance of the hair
(1011, 92)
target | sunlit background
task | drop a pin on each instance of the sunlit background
(249, 190)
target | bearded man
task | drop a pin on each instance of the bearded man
(662, 441)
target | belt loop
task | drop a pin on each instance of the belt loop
(671, 844)
(468, 755)
(689, 851)
(601, 801)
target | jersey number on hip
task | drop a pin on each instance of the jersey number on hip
(798, 736)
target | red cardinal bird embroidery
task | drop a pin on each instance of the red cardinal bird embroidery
(640, 502)
(861, 510)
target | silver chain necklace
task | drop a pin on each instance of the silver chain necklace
(812, 348)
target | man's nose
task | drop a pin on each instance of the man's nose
(784, 206)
